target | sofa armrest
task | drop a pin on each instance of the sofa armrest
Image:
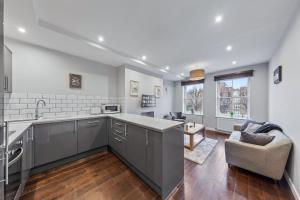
(245, 155)
(237, 127)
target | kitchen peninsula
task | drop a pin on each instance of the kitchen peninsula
(151, 147)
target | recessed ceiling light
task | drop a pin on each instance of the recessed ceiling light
(229, 48)
(162, 70)
(101, 39)
(218, 19)
(167, 67)
(234, 62)
(144, 57)
(138, 61)
(22, 30)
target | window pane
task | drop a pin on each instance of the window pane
(240, 86)
(225, 88)
(232, 98)
(193, 99)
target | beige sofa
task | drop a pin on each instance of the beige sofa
(268, 160)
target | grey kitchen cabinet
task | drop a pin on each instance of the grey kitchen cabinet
(92, 133)
(54, 141)
(154, 157)
(27, 159)
(117, 143)
(7, 70)
(136, 145)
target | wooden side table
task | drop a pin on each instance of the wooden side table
(192, 132)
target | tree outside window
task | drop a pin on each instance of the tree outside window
(193, 99)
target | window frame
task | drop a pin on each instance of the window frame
(183, 101)
(218, 113)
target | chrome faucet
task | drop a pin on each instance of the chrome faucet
(37, 107)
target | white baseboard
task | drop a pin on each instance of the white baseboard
(292, 186)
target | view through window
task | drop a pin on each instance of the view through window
(233, 98)
(193, 99)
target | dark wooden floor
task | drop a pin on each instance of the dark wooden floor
(103, 176)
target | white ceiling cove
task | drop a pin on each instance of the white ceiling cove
(175, 33)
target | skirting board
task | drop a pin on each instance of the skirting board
(292, 186)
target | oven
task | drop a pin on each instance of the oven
(111, 108)
(13, 186)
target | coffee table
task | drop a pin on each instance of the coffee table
(192, 132)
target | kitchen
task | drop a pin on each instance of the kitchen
(58, 108)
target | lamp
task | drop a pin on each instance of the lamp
(197, 74)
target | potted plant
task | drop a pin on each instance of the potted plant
(231, 114)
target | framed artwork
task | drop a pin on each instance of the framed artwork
(157, 91)
(277, 75)
(75, 81)
(134, 88)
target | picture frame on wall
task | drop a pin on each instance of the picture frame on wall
(157, 91)
(277, 75)
(75, 81)
(134, 88)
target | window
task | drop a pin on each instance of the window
(193, 99)
(233, 98)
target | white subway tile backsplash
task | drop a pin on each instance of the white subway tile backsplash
(18, 106)
(18, 95)
(60, 96)
(55, 101)
(34, 96)
(28, 101)
(22, 105)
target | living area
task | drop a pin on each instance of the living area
(135, 99)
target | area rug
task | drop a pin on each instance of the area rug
(201, 152)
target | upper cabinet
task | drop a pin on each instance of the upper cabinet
(7, 70)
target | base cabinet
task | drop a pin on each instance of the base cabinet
(154, 157)
(92, 133)
(136, 145)
(27, 159)
(54, 141)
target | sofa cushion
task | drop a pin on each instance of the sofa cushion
(245, 125)
(251, 128)
(267, 127)
(257, 139)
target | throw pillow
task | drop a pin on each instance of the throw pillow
(257, 139)
(244, 126)
(251, 128)
(268, 127)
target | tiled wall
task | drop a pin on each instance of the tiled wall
(22, 105)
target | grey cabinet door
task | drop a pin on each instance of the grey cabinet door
(54, 141)
(117, 143)
(92, 133)
(7, 70)
(154, 157)
(136, 142)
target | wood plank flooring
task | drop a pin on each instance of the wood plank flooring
(104, 176)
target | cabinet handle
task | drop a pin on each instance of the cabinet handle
(5, 83)
(118, 139)
(93, 122)
(125, 130)
(119, 124)
(147, 138)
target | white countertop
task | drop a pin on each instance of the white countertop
(148, 122)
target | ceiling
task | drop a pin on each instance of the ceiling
(180, 34)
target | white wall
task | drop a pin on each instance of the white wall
(284, 98)
(258, 97)
(146, 86)
(40, 70)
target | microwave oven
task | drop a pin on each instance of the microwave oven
(111, 108)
